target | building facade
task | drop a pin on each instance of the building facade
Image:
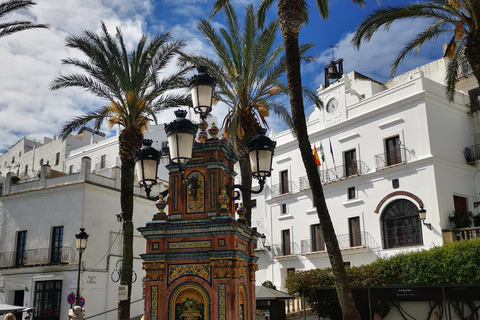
(390, 151)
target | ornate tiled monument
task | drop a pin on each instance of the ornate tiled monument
(200, 262)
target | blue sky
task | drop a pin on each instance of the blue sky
(32, 59)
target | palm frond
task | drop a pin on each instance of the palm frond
(431, 33)
(453, 67)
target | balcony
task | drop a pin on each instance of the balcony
(337, 173)
(281, 189)
(37, 257)
(472, 154)
(285, 251)
(391, 158)
(363, 240)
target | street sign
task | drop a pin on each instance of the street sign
(71, 298)
(81, 302)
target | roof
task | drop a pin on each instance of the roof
(265, 293)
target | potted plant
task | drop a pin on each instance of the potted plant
(461, 219)
(476, 220)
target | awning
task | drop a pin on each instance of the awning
(264, 293)
(6, 308)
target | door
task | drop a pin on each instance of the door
(393, 154)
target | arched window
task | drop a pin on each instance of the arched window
(401, 225)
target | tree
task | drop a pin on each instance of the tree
(134, 89)
(7, 28)
(292, 14)
(248, 72)
(460, 17)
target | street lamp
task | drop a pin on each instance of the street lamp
(81, 243)
(202, 86)
(146, 165)
(181, 136)
(260, 150)
(423, 215)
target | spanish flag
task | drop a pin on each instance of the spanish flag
(315, 156)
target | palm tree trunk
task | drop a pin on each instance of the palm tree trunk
(472, 53)
(289, 13)
(246, 175)
(130, 139)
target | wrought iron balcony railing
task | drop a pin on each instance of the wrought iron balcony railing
(472, 153)
(285, 249)
(338, 173)
(345, 241)
(38, 257)
(283, 188)
(393, 157)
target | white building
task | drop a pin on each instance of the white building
(38, 257)
(390, 150)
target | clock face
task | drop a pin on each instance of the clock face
(332, 105)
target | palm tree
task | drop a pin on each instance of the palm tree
(248, 72)
(292, 14)
(133, 89)
(458, 17)
(7, 28)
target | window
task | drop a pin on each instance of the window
(13, 159)
(164, 144)
(351, 193)
(466, 68)
(284, 208)
(57, 243)
(70, 169)
(19, 154)
(26, 169)
(401, 224)
(474, 101)
(57, 158)
(21, 254)
(392, 151)
(103, 160)
(286, 243)
(255, 244)
(350, 163)
(354, 232)
(47, 299)
(318, 243)
(254, 203)
(41, 162)
(284, 181)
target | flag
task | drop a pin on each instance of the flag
(321, 153)
(315, 156)
(331, 151)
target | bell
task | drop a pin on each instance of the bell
(333, 72)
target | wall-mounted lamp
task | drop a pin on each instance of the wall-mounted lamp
(264, 238)
(423, 215)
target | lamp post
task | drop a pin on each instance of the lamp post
(81, 243)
